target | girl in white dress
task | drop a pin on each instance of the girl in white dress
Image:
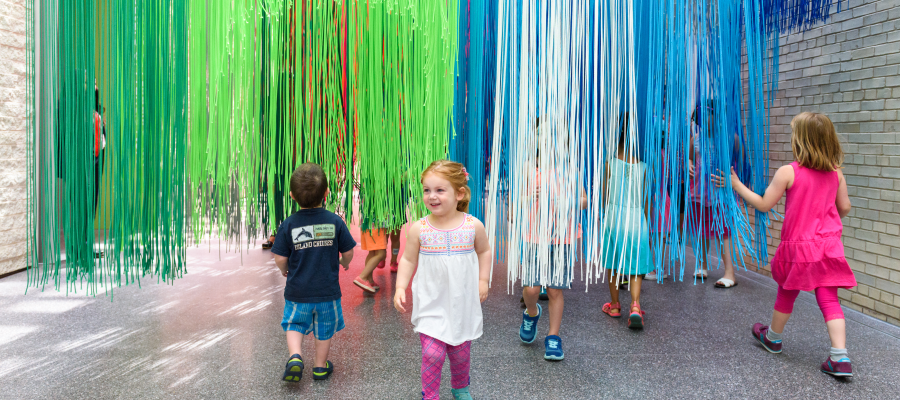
(452, 271)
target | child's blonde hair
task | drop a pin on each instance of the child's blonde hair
(456, 174)
(815, 143)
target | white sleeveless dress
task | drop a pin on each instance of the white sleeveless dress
(446, 303)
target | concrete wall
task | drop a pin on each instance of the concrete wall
(12, 135)
(848, 70)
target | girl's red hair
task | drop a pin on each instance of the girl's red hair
(455, 173)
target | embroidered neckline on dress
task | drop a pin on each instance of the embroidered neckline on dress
(465, 218)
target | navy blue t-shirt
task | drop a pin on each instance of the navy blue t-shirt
(313, 240)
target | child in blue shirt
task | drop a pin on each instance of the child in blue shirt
(306, 251)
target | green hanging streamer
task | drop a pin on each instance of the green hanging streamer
(402, 58)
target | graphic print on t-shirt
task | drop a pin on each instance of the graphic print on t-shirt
(317, 233)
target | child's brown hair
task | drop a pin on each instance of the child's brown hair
(456, 174)
(815, 143)
(308, 185)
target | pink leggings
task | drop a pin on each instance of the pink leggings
(825, 296)
(433, 353)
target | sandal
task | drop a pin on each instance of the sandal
(369, 286)
(725, 283)
(636, 319)
(608, 307)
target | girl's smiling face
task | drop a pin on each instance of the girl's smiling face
(439, 195)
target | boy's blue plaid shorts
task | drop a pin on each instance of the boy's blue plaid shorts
(322, 319)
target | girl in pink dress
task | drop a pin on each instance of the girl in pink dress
(811, 254)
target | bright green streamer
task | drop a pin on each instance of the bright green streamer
(225, 117)
(322, 135)
(402, 57)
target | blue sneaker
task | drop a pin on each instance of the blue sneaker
(528, 330)
(293, 371)
(553, 348)
(323, 373)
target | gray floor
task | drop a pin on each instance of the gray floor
(216, 334)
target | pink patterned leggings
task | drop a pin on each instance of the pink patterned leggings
(825, 296)
(433, 353)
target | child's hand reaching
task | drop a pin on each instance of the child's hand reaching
(718, 178)
(482, 290)
(399, 299)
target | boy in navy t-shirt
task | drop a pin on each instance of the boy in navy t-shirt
(306, 251)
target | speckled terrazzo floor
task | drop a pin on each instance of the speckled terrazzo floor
(215, 334)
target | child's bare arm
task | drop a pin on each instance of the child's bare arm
(346, 257)
(842, 201)
(783, 178)
(407, 266)
(582, 200)
(483, 250)
(282, 263)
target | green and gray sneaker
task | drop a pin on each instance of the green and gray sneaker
(293, 371)
(320, 374)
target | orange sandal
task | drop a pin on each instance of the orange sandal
(608, 307)
(636, 319)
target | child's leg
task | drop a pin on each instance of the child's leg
(433, 353)
(834, 316)
(531, 294)
(555, 307)
(395, 246)
(635, 291)
(784, 306)
(372, 259)
(294, 342)
(704, 250)
(726, 259)
(613, 291)
(459, 364)
(322, 349)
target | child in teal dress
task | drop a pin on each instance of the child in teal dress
(626, 234)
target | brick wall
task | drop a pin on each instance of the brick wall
(848, 70)
(12, 135)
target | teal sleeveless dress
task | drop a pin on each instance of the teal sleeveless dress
(626, 234)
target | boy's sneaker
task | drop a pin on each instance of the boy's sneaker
(380, 265)
(759, 332)
(837, 368)
(461, 394)
(320, 374)
(293, 371)
(553, 348)
(528, 330)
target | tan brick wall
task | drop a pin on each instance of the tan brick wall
(848, 70)
(12, 135)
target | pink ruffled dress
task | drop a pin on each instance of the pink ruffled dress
(811, 253)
